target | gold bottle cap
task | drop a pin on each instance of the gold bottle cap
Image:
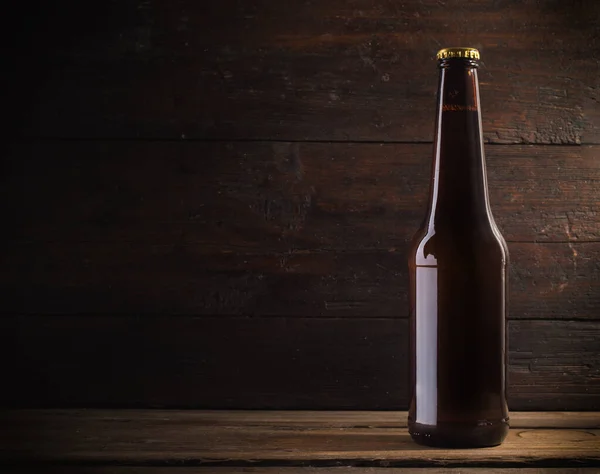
(463, 53)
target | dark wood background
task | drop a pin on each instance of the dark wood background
(208, 204)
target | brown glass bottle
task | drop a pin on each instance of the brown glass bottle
(458, 280)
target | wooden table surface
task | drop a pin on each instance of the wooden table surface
(225, 442)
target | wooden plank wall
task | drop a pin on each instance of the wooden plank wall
(208, 204)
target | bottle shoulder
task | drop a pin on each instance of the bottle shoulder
(429, 245)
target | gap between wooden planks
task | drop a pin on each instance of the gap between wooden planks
(276, 439)
(297, 470)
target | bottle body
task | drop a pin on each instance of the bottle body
(458, 284)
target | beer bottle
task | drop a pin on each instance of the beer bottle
(458, 280)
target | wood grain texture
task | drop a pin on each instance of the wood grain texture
(257, 196)
(110, 246)
(559, 281)
(131, 438)
(276, 196)
(300, 420)
(275, 229)
(268, 363)
(298, 70)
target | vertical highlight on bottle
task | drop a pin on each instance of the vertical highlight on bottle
(426, 345)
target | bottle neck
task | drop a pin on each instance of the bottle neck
(459, 184)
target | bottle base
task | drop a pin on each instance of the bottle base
(460, 435)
